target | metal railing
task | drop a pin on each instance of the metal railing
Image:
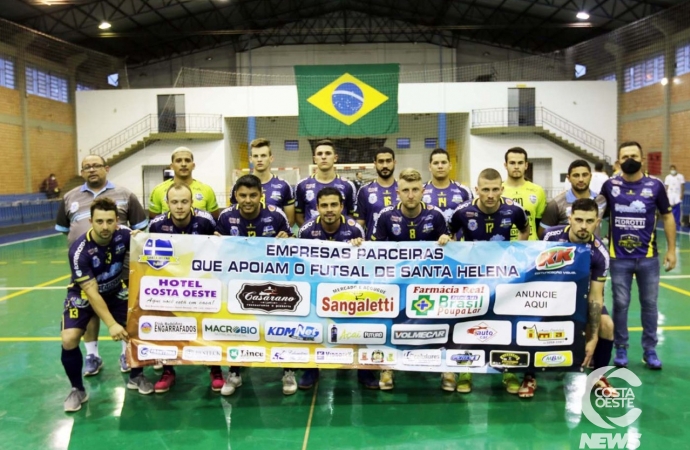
(163, 123)
(538, 117)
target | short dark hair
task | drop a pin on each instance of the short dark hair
(103, 204)
(382, 150)
(630, 144)
(584, 204)
(489, 174)
(519, 150)
(249, 181)
(325, 142)
(177, 186)
(599, 167)
(579, 163)
(329, 191)
(439, 151)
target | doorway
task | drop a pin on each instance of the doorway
(521, 107)
(171, 114)
(539, 172)
(151, 176)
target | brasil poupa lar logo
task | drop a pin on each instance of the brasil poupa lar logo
(347, 99)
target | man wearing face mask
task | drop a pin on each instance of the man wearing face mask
(675, 189)
(633, 202)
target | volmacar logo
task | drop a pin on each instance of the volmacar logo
(556, 258)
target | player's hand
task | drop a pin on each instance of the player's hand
(444, 239)
(356, 242)
(215, 233)
(670, 260)
(118, 333)
(283, 234)
(589, 350)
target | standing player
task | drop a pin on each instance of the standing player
(97, 260)
(276, 191)
(525, 193)
(332, 225)
(633, 202)
(183, 219)
(182, 163)
(376, 195)
(675, 189)
(250, 218)
(409, 220)
(489, 217)
(583, 222)
(306, 190)
(441, 191)
(73, 219)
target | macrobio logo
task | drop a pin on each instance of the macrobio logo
(605, 404)
(556, 258)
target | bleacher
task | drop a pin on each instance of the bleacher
(23, 209)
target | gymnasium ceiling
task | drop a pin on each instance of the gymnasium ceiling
(145, 31)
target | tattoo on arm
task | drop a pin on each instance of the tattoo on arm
(594, 317)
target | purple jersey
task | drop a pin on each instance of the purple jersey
(371, 199)
(201, 223)
(276, 192)
(471, 224)
(599, 265)
(306, 190)
(268, 223)
(633, 207)
(89, 261)
(393, 226)
(446, 199)
(349, 229)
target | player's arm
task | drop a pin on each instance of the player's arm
(361, 208)
(90, 288)
(548, 219)
(541, 207)
(289, 211)
(442, 226)
(155, 202)
(136, 214)
(380, 229)
(61, 220)
(670, 231)
(212, 203)
(351, 201)
(299, 205)
(596, 302)
(284, 230)
(522, 224)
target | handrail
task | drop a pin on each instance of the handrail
(539, 117)
(153, 123)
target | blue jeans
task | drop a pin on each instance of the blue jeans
(646, 271)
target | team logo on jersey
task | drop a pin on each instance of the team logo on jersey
(268, 230)
(506, 223)
(158, 253)
(372, 198)
(96, 262)
(457, 198)
(275, 195)
(351, 222)
(615, 191)
(426, 199)
(396, 229)
(309, 195)
(428, 228)
(533, 199)
(646, 192)
(472, 224)
(74, 207)
(234, 231)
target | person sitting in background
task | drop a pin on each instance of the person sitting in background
(50, 187)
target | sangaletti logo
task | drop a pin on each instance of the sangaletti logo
(269, 297)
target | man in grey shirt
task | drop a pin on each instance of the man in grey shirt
(73, 219)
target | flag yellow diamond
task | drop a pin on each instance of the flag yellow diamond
(347, 99)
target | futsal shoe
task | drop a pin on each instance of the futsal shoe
(604, 387)
(165, 383)
(217, 381)
(232, 382)
(289, 383)
(448, 382)
(386, 380)
(464, 383)
(529, 385)
(511, 382)
(621, 358)
(92, 365)
(651, 360)
(75, 399)
(308, 379)
(367, 379)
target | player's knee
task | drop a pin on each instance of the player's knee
(70, 338)
(606, 327)
(92, 329)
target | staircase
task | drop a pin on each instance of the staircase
(544, 123)
(152, 128)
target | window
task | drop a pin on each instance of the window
(580, 70)
(609, 77)
(7, 73)
(683, 59)
(84, 87)
(46, 85)
(114, 79)
(644, 73)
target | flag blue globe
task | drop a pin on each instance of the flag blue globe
(348, 99)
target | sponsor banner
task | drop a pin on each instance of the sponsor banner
(416, 306)
(306, 332)
(342, 333)
(289, 355)
(157, 328)
(149, 352)
(447, 301)
(283, 299)
(493, 332)
(180, 294)
(230, 330)
(203, 354)
(465, 358)
(539, 298)
(553, 359)
(357, 300)
(419, 334)
(543, 334)
(334, 355)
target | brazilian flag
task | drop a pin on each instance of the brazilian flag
(354, 100)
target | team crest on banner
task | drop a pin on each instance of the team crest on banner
(158, 253)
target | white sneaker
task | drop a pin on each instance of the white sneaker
(158, 365)
(232, 382)
(289, 383)
(448, 382)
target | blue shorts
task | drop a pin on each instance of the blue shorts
(78, 312)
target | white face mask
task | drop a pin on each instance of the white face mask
(673, 172)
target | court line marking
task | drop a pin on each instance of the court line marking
(27, 290)
(674, 277)
(311, 415)
(31, 239)
(44, 288)
(675, 289)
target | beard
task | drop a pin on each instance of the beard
(383, 175)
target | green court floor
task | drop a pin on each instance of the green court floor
(335, 415)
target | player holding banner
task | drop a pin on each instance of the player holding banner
(332, 225)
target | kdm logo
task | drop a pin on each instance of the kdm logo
(556, 258)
